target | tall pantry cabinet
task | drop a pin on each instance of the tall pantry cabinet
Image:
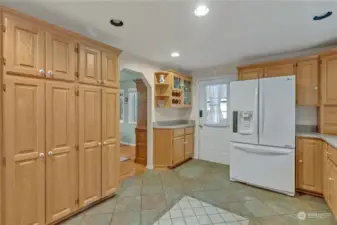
(60, 110)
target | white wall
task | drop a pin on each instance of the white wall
(306, 115)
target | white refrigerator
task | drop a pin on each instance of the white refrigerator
(262, 148)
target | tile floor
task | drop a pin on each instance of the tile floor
(200, 192)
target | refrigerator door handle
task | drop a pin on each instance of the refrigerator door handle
(262, 113)
(262, 151)
(256, 110)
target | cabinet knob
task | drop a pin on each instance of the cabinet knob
(41, 155)
(99, 81)
(185, 143)
(41, 71)
(315, 88)
(330, 179)
(300, 161)
(50, 153)
(99, 143)
(103, 82)
(49, 73)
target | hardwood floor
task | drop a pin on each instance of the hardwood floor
(128, 167)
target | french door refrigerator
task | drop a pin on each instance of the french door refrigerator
(262, 148)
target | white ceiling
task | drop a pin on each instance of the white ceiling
(231, 32)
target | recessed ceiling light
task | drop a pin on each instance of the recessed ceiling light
(201, 10)
(116, 23)
(175, 54)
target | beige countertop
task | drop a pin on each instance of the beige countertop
(330, 139)
(177, 126)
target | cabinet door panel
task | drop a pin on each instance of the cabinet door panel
(60, 57)
(89, 65)
(24, 144)
(23, 47)
(178, 149)
(325, 169)
(329, 79)
(333, 189)
(110, 138)
(89, 144)
(310, 165)
(110, 70)
(307, 90)
(279, 70)
(189, 146)
(60, 143)
(250, 73)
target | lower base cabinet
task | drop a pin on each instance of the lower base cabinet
(172, 146)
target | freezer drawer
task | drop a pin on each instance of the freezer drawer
(268, 167)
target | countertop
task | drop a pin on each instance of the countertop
(330, 139)
(173, 124)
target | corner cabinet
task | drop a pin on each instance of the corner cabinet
(172, 90)
(60, 111)
(172, 146)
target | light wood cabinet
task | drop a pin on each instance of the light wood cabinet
(60, 56)
(60, 148)
(307, 86)
(172, 146)
(24, 145)
(89, 144)
(333, 188)
(309, 165)
(110, 139)
(279, 70)
(250, 73)
(89, 65)
(110, 73)
(329, 79)
(178, 149)
(325, 169)
(23, 47)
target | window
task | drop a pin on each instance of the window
(132, 105)
(121, 105)
(216, 105)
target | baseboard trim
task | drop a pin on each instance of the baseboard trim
(127, 143)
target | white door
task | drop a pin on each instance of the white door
(244, 98)
(268, 167)
(214, 132)
(277, 111)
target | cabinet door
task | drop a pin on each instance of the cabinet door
(309, 164)
(187, 92)
(325, 169)
(110, 70)
(329, 79)
(333, 189)
(23, 47)
(279, 70)
(89, 65)
(60, 56)
(89, 144)
(250, 73)
(110, 138)
(24, 144)
(189, 146)
(307, 83)
(60, 147)
(178, 149)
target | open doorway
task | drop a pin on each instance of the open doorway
(133, 123)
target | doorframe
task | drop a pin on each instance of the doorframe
(149, 132)
(198, 81)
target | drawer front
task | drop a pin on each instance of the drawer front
(189, 130)
(178, 132)
(332, 153)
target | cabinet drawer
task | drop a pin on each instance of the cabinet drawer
(189, 130)
(178, 132)
(332, 153)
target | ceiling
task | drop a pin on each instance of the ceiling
(231, 32)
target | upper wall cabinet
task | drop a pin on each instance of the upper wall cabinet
(279, 70)
(110, 70)
(329, 79)
(60, 56)
(89, 65)
(23, 47)
(250, 73)
(307, 90)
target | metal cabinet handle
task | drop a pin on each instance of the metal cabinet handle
(41, 71)
(50, 153)
(50, 73)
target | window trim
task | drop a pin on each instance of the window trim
(131, 91)
(121, 91)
